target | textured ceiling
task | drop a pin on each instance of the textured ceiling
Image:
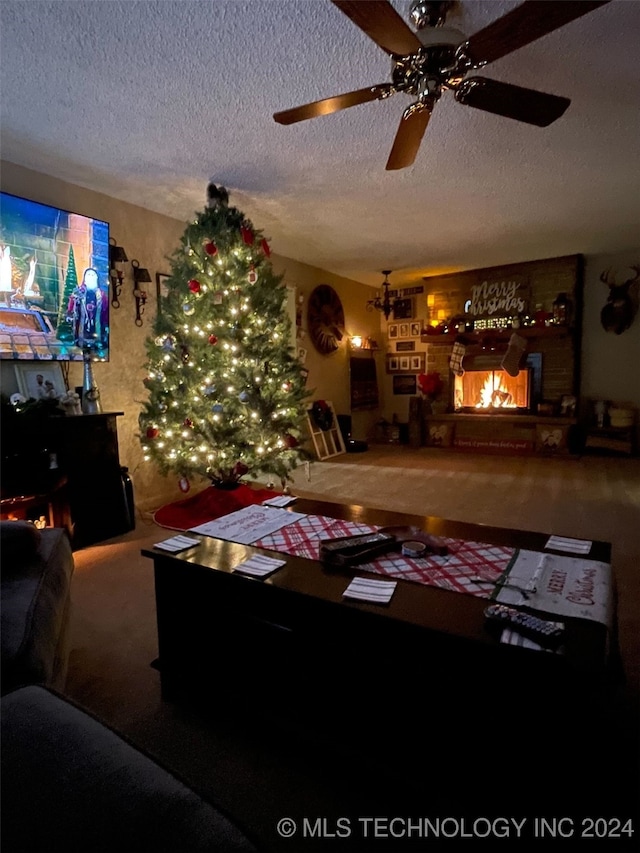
(144, 101)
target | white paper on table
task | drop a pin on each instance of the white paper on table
(259, 566)
(280, 500)
(248, 524)
(513, 638)
(573, 546)
(567, 586)
(177, 543)
(366, 589)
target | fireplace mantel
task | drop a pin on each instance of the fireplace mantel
(501, 336)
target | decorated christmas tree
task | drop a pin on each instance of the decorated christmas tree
(227, 395)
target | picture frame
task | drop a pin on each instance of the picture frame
(405, 362)
(415, 329)
(405, 384)
(42, 380)
(392, 363)
(162, 289)
(406, 346)
(568, 405)
(403, 309)
(416, 363)
(392, 330)
(403, 330)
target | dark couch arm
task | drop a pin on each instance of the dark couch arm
(70, 783)
(37, 567)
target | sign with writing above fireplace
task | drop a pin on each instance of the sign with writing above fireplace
(498, 297)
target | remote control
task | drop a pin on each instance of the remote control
(542, 631)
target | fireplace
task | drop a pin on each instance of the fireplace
(485, 388)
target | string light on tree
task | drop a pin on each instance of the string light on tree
(210, 412)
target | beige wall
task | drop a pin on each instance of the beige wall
(610, 362)
(329, 374)
(151, 238)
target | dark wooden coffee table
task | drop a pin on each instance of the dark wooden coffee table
(293, 637)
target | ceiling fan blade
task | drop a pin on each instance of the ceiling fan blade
(505, 99)
(523, 25)
(332, 105)
(380, 21)
(412, 127)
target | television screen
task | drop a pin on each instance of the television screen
(54, 283)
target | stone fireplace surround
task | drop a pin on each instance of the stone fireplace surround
(552, 355)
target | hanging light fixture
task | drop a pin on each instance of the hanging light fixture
(383, 303)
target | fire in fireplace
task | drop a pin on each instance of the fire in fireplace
(485, 388)
(491, 390)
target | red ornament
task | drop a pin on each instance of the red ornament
(265, 247)
(253, 275)
(213, 340)
(240, 469)
(291, 440)
(152, 432)
(247, 235)
(211, 249)
(194, 285)
(188, 422)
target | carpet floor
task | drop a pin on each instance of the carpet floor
(262, 773)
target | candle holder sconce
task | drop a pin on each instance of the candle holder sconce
(117, 256)
(140, 276)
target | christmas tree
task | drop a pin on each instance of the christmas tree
(227, 395)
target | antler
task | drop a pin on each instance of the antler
(605, 278)
(610, 280)
(635, 267)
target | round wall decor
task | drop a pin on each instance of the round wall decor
(325, 319)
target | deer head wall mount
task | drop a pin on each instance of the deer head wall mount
(622, 303)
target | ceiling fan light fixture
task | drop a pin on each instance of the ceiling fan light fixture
(429, 13)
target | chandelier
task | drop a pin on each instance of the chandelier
(383, 303)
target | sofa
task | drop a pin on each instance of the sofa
(35, 596)
(73, 785)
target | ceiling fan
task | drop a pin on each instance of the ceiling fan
(436, 58)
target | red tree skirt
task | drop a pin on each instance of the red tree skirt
(207, 505)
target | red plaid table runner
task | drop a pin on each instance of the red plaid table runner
(465, 560)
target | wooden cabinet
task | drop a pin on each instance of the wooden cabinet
(87, 448)
(83, 452)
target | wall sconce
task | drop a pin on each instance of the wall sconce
(358, 342)
(117, 256)
(140, 276)
(383, 303)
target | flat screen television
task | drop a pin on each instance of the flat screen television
(54, 283)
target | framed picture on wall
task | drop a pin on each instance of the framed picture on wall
(404, 384)
(393, 330)
(417, 363)
(403, 330)
(405, 346)
(392, 363)
(41, 381)
(403, 309)
(404, 362)
(415, 329)
(162, 289)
